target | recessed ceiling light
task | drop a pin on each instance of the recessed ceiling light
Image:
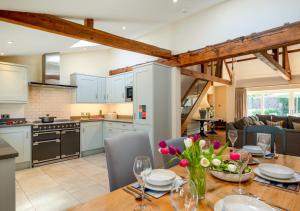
(124, 27)
(175, 1)
(10, 42)
(83, 43)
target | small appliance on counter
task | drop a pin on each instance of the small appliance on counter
(113, 115)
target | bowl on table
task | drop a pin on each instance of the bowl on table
(230, 177)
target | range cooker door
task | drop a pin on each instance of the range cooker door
(45, 150)
(70, 143)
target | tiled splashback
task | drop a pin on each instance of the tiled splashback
(52, 101)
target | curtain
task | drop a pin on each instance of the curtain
(240, 103)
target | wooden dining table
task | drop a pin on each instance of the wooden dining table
(216, 190)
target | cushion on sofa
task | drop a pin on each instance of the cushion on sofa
(275, 124)
(281, 118)
(292, 119)
(241, 123)
(296, 125)
(264, 118)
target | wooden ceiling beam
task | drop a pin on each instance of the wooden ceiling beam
(89, 22)
(285, 60)
(203, 76)
(288, 34)
(56, 25)
(269, 60)
(229, 71)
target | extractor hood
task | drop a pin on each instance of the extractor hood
(51, 72)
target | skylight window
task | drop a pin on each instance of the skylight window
(83, 43)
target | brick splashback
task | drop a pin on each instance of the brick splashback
(53, 101)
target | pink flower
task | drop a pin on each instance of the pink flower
(178, 151)
(216, 144)
(162, 144)
(234, 156)
(196, 137)
(164, 151)
(172, 150)
(184, 163)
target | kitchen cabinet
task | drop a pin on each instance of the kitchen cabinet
(90, 89)
(128, 79)
(20, 139)
(13, 83)
(91, 136)
(117, 89)
(115, 128)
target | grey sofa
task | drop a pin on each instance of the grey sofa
(292, 135)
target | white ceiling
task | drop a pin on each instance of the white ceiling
(139, 17)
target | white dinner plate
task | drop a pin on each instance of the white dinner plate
(276, 171)
(253, 149)
(162, 188)
(161, 177)
(294, 179)
(241, 203)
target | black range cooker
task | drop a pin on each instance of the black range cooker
(53, 142)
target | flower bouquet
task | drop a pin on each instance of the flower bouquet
(198, 155)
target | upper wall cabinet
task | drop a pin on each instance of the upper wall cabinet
(115, 89)
(13, 83)
(90, 89)
(128, 79)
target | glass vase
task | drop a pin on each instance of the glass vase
(198, 175)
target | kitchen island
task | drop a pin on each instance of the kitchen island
(7, 175)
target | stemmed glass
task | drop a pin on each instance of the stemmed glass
(264, 142)
(232, 135)
(142, 169)
(241, 165)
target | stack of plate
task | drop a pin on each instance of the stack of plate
(254, 150)
(161, 180)
(277, 173)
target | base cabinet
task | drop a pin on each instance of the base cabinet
(20, 139)
(91, 136)
(115, 128)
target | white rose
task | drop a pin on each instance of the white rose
(231, 168)
(216, 162)
(202, 143)
(204, 162)
(188, 142)
(213, 155)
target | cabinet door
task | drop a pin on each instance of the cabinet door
(20, 139)
(118, 89)
(128, 79)
(101, 90)
(108, 93)
(13, 84)
(91, 136)
(87, 91)
(143, 95)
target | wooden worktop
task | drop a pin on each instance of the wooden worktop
(216, 189)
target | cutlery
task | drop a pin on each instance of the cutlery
(276, 207)
(137, 192)
(136, 196)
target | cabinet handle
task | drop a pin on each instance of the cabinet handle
(83, 130)
(96, 96)
(27, 135)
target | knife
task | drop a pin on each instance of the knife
(138, 192)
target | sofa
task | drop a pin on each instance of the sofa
(286, 122)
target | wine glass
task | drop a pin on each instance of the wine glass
(183, 195)
(264, 142)
(241, 165)
(142, 169)
(232, 135)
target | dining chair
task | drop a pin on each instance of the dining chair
(178, 142)
(266, 129)
(121, 151)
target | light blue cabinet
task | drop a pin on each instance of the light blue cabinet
(20, 139)
(115, 89)
(128, 79)
(90, 89)
(91, 136)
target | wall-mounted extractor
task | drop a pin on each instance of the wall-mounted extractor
(51, 72)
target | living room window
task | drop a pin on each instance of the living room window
(273, 102)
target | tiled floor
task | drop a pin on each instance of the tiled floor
(61, 185)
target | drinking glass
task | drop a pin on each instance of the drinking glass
(183, 195)
(264, 142)
(142, 169)
(241, 165)
(232, 135)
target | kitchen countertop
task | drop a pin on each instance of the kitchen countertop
(108, 120)
(16, 125)
(7, 151)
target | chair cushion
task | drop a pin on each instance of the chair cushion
(281, 118)
(275, 124)
(264, 118)
(291, 120)
(296, 125)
